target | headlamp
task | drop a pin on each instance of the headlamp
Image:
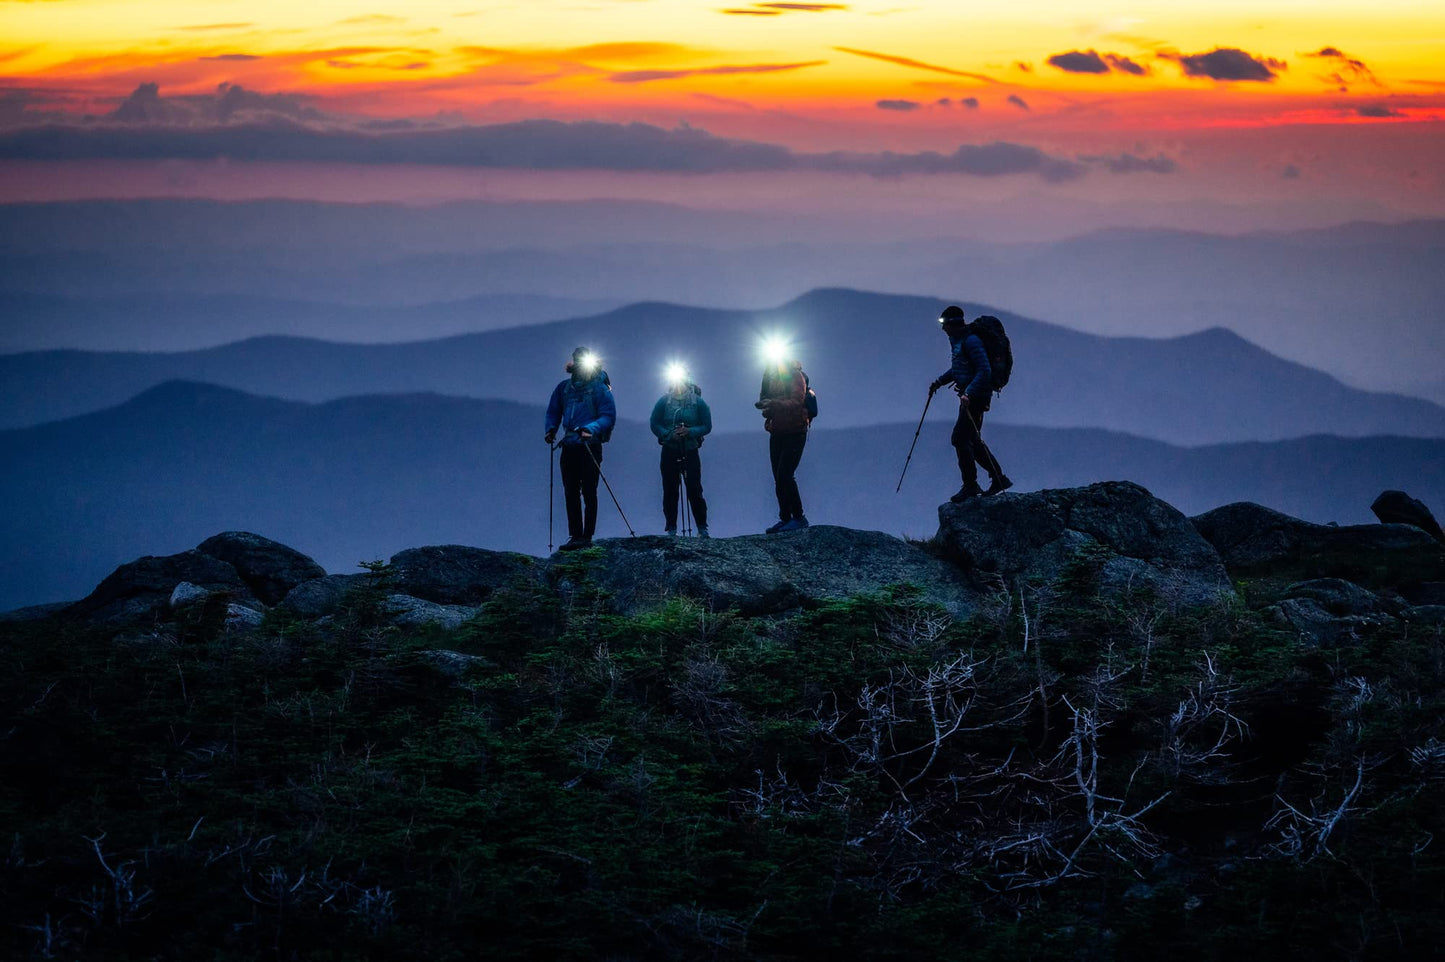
(776, 350)
(588, 362)
(676, 373)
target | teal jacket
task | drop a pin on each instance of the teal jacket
(689, 409)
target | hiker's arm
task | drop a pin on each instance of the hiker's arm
(659, 430)
(982, 372)
(554, 410)
(606, 413)
(704, 420)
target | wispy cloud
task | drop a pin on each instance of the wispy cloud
(1019, 102)
(916, 64)
(1347, 69)
(1377, 111)
(901, 105)
(777, 9)
(648, 76)
(203, 27)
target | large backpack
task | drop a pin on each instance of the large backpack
(995, 344)
(810, 397)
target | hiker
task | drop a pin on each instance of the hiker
(972, 376)
(680, 420)
(783, 401)
(583, 408)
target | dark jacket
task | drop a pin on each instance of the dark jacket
(582, 404)
(689, 409)
(783, 400)
(970, 371)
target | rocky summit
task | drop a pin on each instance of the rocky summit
(1125, 537)
(1074, 724)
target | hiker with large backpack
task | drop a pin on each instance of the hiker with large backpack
(786, 402)
(583, 410)
(982, 362)
(680, 420)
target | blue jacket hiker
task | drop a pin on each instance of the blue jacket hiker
(680, 420)
(972, 377)
(582, 408)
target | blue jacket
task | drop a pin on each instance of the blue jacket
(578, 405)
(689, 409)
(970, 370)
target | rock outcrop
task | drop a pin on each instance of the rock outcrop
(453, 574)
(1141, 540)
(252, 571)
(762, 574)
(1397, 507)
(270, 569)
(145, 585)
(321, 596)
(1255, 541)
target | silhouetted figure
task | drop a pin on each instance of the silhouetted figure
(783, 401)
(972, 377)
(680, 420)
(583, 409)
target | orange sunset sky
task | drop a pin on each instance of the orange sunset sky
(1330, 102)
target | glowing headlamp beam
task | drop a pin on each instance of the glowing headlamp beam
(588, 362)
(676, 373)
(776, 349)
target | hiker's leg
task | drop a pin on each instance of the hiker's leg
(789, 498)
(692, 474)
(775, 457)
(965, 442)
(670, 479)
(571, 462)
(590, 474)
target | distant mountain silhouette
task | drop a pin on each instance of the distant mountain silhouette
(171, 322)
(361, 478)
(870, 357)
(1359, 301)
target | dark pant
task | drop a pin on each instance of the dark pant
(969, 445)
(579, 483)
(786, 451)
(677, 468)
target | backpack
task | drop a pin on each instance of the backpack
(996, 345)
(810, 398)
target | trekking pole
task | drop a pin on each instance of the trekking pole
(630, 532)
(551, 490)
(915, 442)
(683, 505)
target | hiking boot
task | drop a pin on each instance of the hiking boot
(670, 532)
(576, 544)
(775, 528)
(966, 492)
(998, 484)
(797, 524)
(702, 532)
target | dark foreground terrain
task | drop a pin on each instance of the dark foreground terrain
(1073, 725)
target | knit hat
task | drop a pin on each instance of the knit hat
(952, 314)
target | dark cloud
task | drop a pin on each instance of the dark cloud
(916, 64)
(803, 7)
(1018, 102)
(753, 13)
(238, 57)
(970, 102)
(903, 105)
(1132, 163)
(1347, 69)
(1229, 63)
(647, 76)
(1377, 111)
(1024, 67)
(944, 102)
(230, 103)
(1125, 65)
(1290, 172)
(532, 144)
(1079, 61)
